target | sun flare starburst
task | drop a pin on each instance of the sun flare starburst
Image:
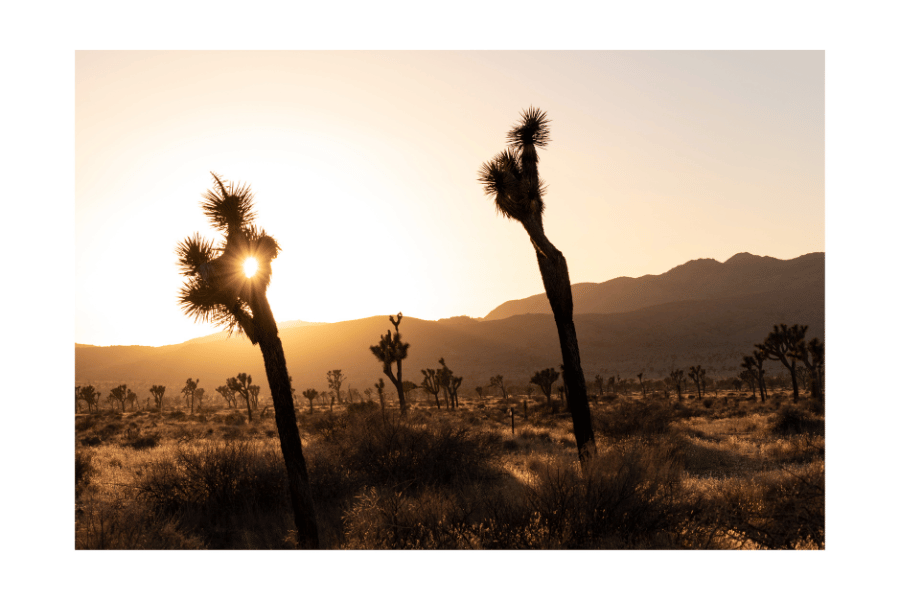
(250, 267)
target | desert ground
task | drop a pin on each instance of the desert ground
(722, 472)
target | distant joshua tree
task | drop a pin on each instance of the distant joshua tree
(480, 391)
(379, 387)
(310, 395)
(497, 381)
(611, 384)
(677, 380)
(227, 286)
(782, 344)
(640, 377)
(754, 365)
(545, 380)
(335, 380)
(241, 385)
(188, 392)
(812, 355)
(599, 381)
(696, 374)
(431, 384)
(228, 394)
(391, 350)
(158, 392)
(90, 396)
(118, 395)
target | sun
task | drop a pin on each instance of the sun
(250, 267)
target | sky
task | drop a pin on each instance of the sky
(364, 168)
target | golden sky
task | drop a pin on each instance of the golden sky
(364, 168)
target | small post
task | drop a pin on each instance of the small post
(512, 419)
(525, 405)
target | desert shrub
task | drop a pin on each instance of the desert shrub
(110, 429)
(142, 442)
(177, 415)
(779, 510)
(634, 418)
(84, 469)
(609, 397)
(91, 440)
(707, 402)
(791, 419)
(216, 479)
(85, 423)
(627, 497)
(363, 407)
(234, 418)
(377, 452)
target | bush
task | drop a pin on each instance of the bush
(363, 407)
(791, 419)
(84, 469)
(91, 440)
(635, 417)
(143, 442)
(626, 497)
(216, 479)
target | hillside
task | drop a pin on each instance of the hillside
(712, 332)
(742, 274)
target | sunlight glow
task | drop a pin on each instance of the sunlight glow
(250, 266)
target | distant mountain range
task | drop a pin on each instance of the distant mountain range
(703, 312)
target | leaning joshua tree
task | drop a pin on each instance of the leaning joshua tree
(226, 285)
(390, 350)
(512, 178)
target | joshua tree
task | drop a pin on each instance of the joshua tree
(254, 395)
(812, 355)
(130, 397)
(782, 344)
(611, 384)
(751, 380)
(696, 374)
(228, 394)
(640, 377)
(158, 392)
(431, 384)
(599, 381)
(754, 364)
(310, 395)
(677, 380)
(227, 286)
(241, 385)
(497, 381)
(379, 387)
(480, 391)
(335, 380)
(545, 380)
(90, 396)
(449, 384)
(391, 350)
(408, 388)
(118, 395)
(188, 391)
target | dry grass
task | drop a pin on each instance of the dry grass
(677, 475)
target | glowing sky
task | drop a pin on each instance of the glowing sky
(364, 168)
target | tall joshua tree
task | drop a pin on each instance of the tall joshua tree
(677, 380)
(189, 390)
(431, 384)
(241, 385)
(226, 285)
(782, 344)
(335, 381)
(390, 350)
(512, 179)
(158, 391)
(812, 354)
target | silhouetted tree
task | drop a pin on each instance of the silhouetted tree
(310, 395)
(379, 388)
(254, 395)
(696, 374)
(431, 385)
(219, 290)
(188, 392)
(782, 344)
(611, 384)
(241, 385)
(512, 178)
(545, 380)
(677, 381)
(599, 381)
(754, 364)
(497, 381)
(480, 391)
(90, 396)
(812, 355)
(640, 377)
(130, 396)
(118, 395)
(750, 378)
(228, 394)
(158, 392)
(391, 350)
(335, 380)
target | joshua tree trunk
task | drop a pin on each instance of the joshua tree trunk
(555, 275)
(285, 420)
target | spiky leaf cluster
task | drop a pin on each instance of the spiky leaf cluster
(390, 349)
(217, 290)
(511, 177)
